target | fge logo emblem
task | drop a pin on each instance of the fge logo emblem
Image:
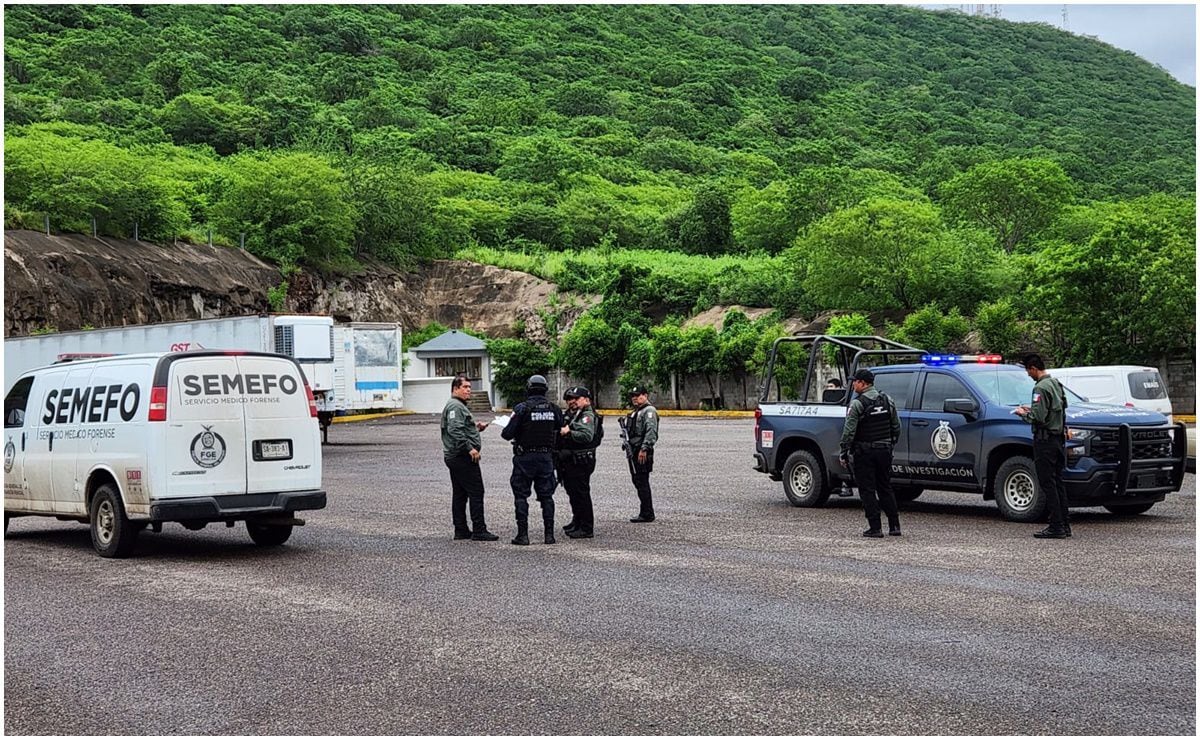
(208, 448)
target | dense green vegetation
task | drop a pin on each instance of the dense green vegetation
(1030, 184)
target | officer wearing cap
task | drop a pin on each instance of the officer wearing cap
(533, 430)
(872, 428)
(1048, 415)
(642, 430)
(580, 436)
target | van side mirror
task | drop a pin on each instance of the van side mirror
(964, 406)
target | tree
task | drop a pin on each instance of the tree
(883, 253)
(513, 361)
(816, 192)
(737, 339)
(395, 213)
(932, 329)
(703, 226)
(1119, 296)
(1012, 198)
(541, 159)
(590, 351)
(998, 325)
(761, 220)
(193, 118)
(294, 209)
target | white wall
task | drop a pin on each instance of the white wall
(426, 395)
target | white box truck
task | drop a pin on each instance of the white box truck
(367, 368)
(306, 339)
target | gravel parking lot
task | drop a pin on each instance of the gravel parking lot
(734, 613)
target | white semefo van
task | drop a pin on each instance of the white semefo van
(131, 441)
(1135, 386)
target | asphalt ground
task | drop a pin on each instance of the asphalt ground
(733, 613)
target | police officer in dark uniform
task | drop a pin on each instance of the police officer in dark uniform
(642, 430)
(580, 436)
(1048, 415)
(871, 430)
(533, 430)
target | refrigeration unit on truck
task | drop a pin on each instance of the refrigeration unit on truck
(367, 373)
(306, 339)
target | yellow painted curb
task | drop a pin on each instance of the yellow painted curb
(365, 417)
(1186, 418)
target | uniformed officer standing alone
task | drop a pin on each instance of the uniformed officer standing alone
(460, 448)
(580, 437)
(872, 428)
(533, 430)
(1048, 415)
(642, 430)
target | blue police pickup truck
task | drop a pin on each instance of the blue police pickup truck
(958, 430)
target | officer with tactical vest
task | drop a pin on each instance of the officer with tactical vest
(534, 430)
(580, 436)
(641, 429)
(1048, 415)
(872, 428)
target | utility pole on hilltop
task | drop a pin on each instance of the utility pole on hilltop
(1066, 26)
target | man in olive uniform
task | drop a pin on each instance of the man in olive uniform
(581, 436)
(460, 448)
(1048, 415)
(533, 430)
(642, 431)
(871, 430)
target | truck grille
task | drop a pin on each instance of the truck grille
(1148, 444)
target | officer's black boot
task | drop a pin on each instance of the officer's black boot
(894, 526)
(522, 537)
(873, 528)
(550, 532)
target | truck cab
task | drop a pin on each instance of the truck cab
(958, 431)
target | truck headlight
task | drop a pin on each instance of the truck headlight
(1080, 435)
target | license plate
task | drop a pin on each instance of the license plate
(273, 449)
(1146, 481)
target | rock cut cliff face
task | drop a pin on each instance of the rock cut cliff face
(71, 281)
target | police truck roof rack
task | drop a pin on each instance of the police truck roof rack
(850, 350)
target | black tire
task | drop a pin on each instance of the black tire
(1017, 492)
(904, 494)
(7, 519)
(803, 480)
(113, 535)
(268, 535)
(1130, 509)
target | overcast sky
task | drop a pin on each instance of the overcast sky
(1162, 34)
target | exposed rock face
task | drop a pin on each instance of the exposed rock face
(70, 281)
(452, 292)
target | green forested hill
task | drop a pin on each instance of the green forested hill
(816, 141)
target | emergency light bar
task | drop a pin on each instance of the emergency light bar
(955, 359)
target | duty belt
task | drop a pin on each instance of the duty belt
(1047, 434)
(873, 445)
(531, 450)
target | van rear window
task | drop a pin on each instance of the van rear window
(1147, 385)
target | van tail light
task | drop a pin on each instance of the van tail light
(312, 402)
(158, 404)
(1128, 405)
(757, 419)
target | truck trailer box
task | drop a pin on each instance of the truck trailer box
(306, 339)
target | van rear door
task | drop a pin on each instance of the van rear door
(205, 427)
(282, 441)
